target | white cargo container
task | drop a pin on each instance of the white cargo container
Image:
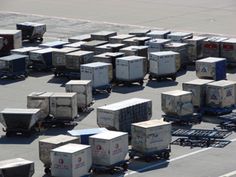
(108, 48)
(156, 45)
(103, 35)
(40, 100)
(140, 32)
(195, 47)
(83, 88)
(221, 94)
(99, 73)
(109, 148)
(108, 57)
(177, 102)
(119, 38)
(158, 34)
(120, 115)
(130, 68)
(59, 56)
(179, 36)
(198, 88)
(135, 50)
(136, 41)
(17, 167)
(91, 45)
(71, 160)
(151, 136)
(211, 46)
(162, 63)
(75, 44)
(46, 145)
(75, 59)
(228, 50)
(211, 68)
(64, 105)
(83, 37)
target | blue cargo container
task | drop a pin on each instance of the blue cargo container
(86, 133)
(13, 66)
(53, 44)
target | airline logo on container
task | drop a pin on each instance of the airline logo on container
(117, 149)
(80, 163)
(61, 165)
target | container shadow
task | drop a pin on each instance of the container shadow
(83, 115)
(231, 69)
(58, 80)
(18, 139)
(27, 43)
(7, 81)
(182, 72)
(191, 67)
(33, 73)
(160, 84)
(57, 130)
(101, 95)
(125, 89)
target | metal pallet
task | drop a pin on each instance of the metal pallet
(228, 121)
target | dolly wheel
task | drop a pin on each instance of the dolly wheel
(166, 155)
(141, 83)
(131, 156)
(41, 39)
(173, 78)
(109, 90)
(150, 77)
(125, 166)
(47, 170)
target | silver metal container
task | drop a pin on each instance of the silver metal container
(228, 50)
(91, 45)
(136, 41)
(158, 34)
(108, 48)
(140, 32)
(119, 38)
(103, 35)
(179, 36)
(156, 45)
(84, 37)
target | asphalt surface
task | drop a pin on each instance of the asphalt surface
(184, 161)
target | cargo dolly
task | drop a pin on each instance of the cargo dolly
(162, 77)
(148, 156)
(112, 169)
(200, 137)
(194, 118)
(218, 111)
(228, 121)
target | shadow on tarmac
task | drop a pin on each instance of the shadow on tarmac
(125, 89)
(160, 84)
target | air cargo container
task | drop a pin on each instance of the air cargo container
(136, 41)
(71, 160)
(211, 68)
(119, 38)
(158, 34)
(91, 45)
(75, 44)
(108, 48)
(179, 36)
(83, 37)
(83, 88)
(46, 145)
(156, 45)
(119, 116)
(140, 32)
(228, 50)
(108, 57)
(12, 39)
(53, 44)
(32, 31)
(16, 167)
(103, 35)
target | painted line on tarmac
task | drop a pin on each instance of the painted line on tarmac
(172, 160)
(229, 174)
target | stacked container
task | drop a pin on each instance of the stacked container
(103, 35)
(46, 145)
(71, 160)
(83, 88)
(136, 41)
(64, 106)
(84, 37)
(16, 167)
(221, 94)
(130, 69)
(53, 44)
(158, 34)
(162, 64)
(195, 47)
(59, 57)
(91, 45)
(211, 46)
(198, 89)
(108, 57)
(41, 59)
(135, 50)
(75, 44)
(119, 116)
(109, 148)
(181, 48)
(179, 36)
(75, 59)
(156, 45)
(177, 103)
(12, 39)
(150, 136)
(99, 73)
(108, 48)
(119, 38)
(228, 50)
(140, 32)
(211, 68)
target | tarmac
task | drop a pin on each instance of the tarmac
(184, 161)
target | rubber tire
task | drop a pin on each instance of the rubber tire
(173, 78)
(141, 83)
(108, 90)
(150, 77)
(125, 166)
(47, 170)
(166, 155)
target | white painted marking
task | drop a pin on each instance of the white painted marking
(229, 174)
(172, 160)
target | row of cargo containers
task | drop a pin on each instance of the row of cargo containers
(201, 94)
(103, 148)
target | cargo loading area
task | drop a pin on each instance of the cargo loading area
(184, 161)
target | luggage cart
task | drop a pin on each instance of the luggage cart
(32, 31)
(195, 118)
(228, 121)
(162, 77)
(120, 166)
(161, 154)
(200, 137)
